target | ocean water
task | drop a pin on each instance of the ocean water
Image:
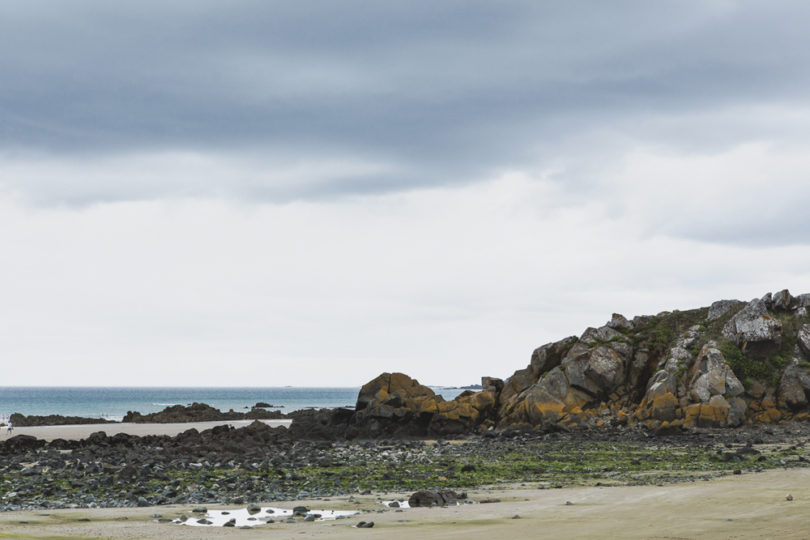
(114, 402)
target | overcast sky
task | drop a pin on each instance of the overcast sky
(266, 193)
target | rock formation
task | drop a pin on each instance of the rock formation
(719, 366)
(199, 412)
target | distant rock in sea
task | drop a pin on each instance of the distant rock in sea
(199, 412)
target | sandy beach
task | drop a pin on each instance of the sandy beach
(81, 431)
(744, 506)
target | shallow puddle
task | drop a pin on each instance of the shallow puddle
(242, 518)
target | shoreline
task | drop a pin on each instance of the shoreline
(73, 432)
(753, 505)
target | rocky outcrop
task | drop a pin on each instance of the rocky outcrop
(394, 404)
(721, 366)
(198, 412)
(21, 420)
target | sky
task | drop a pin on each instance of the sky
(269, 193)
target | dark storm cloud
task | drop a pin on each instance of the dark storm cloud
(442, 92)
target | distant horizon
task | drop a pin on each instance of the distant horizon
(217, 387)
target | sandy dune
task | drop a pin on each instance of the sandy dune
(746, 506)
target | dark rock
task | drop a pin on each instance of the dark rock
(199, 412)
(321, 424)
(432, 498)
(20, 444)
(21, 420)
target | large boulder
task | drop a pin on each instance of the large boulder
(794, 387)
(20, 443)
(713, 376)
(394, 390)
(442, 497)
(544, 403)
(713, 414)
(543, 360)
(393, 404)
(597, 371)
(755, 330)
(783, 301)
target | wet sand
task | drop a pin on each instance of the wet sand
(751, 505)
(82, 431)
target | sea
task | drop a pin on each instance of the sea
(112, 403)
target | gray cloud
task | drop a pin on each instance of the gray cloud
(373, 78)
(426, 93)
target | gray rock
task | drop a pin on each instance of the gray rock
(736, 411)
(767, 300)
(782, 300)
(661, 383)
(713, 376)
(803, 339)
(619, 322)
(754, 329)
(432, 498)
(677, 358)
(734, 387)
(794, 387)
(597, 371)
(603, 334)
(549, 356)
(555, 383)
(720, 308)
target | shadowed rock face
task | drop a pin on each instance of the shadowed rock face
(721, 366)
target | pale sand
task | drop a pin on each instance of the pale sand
(751, 505)
(82, 431)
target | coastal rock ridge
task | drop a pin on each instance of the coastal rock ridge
(724, 365)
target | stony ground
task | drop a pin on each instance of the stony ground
(259, 463)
